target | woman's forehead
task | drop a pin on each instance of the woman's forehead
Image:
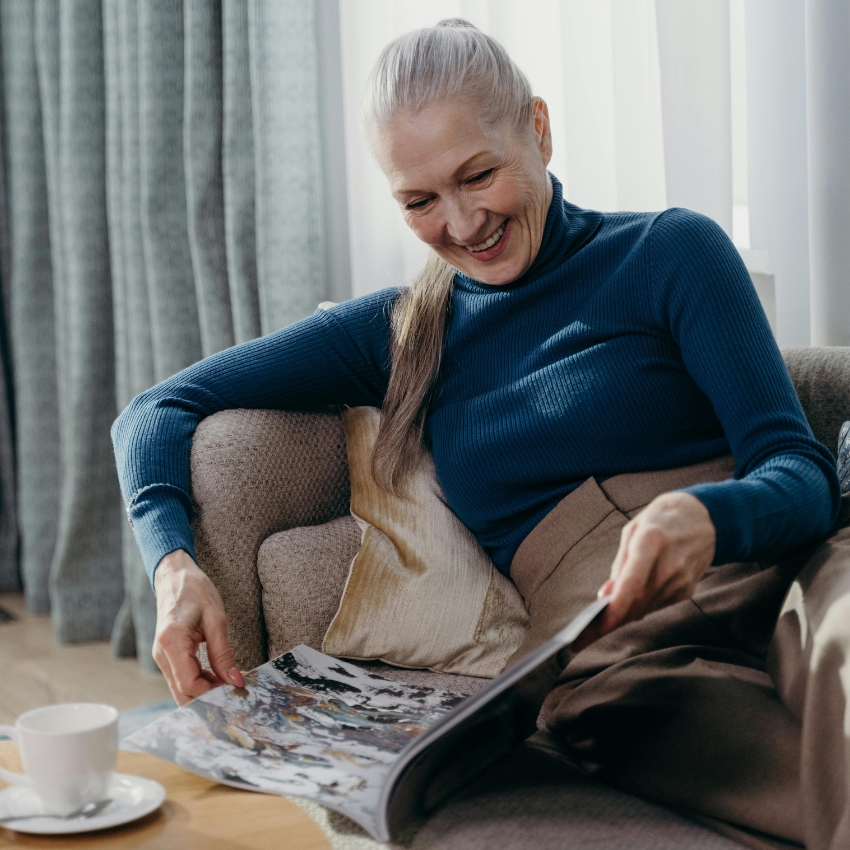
(434, 143)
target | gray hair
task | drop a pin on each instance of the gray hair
(452, 59)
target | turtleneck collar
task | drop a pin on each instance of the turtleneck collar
(568, 228)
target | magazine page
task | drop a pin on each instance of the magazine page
(305, 724)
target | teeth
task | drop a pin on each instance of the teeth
(488, 243)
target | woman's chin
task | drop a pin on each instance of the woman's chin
(506, 270)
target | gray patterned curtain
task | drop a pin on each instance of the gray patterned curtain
(163, 198)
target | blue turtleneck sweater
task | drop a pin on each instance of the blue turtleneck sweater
(634, 342)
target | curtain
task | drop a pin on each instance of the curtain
(9, 541)
(164, 200)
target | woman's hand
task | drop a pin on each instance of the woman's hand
(664, 552)
(189, 611)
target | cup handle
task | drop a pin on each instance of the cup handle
(8, 775)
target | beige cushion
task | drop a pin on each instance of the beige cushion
(421, 592)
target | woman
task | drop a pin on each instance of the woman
(542, 345)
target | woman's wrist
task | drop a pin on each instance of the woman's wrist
(171, 564)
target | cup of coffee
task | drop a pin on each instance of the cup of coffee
(68, 752)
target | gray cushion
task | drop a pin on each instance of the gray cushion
(303, 573)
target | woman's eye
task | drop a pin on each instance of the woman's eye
(417, 205)
(477, 178)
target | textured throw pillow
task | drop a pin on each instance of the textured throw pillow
(421, 592)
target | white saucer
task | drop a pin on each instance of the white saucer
(133, 797)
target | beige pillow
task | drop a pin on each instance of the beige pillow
(421, 591)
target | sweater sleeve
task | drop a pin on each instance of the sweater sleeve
(338, 356)
(785, 492)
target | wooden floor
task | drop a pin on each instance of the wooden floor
(35, 670)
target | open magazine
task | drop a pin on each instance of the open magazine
(381, 752)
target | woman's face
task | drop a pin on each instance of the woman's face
(477, 195)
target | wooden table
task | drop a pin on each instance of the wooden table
(197, 815)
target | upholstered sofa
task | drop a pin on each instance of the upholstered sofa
(274, 533)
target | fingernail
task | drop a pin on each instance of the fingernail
(236, 677)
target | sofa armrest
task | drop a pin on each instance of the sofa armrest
(255, 473)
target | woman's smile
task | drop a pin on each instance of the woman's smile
(493, 246)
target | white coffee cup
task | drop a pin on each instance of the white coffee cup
(68, 752)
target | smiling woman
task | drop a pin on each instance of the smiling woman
(476, 194)
(608, 412)
(464, 144)
(464, 184)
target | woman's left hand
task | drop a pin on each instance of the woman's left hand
(664, 552)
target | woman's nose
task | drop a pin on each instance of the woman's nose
(463, 224)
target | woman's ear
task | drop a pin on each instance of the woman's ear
(542, 128)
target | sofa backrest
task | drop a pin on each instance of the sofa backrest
(821, 377)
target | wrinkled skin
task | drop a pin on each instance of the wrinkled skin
(664, 552)
(457, 183)
(189, 611)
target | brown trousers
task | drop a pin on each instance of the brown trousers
(732, 706)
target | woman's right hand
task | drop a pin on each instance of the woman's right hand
(189, 611)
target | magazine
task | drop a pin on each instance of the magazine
(382, 752)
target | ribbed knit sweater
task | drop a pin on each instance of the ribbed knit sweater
(634, 342)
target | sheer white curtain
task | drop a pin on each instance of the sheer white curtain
(657, 103)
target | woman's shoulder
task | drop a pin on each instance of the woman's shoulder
(623, 230)
(363, 324)
(662, 224)
(676, 224)
(369, 309)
